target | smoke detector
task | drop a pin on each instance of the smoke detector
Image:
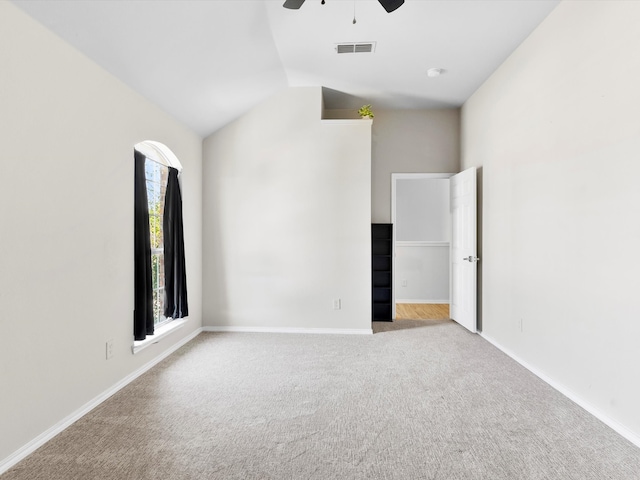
(435, 72)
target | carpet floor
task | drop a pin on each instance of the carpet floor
(417, 400)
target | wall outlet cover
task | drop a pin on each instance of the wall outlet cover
(109, 349)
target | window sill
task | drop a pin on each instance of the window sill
(160, 332)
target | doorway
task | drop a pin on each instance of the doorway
(420, 213)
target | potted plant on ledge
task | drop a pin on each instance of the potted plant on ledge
(366, 112)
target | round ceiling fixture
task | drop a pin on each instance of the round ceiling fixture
(435, 72)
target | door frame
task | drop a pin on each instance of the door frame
(394, 178)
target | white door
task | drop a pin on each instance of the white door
(463, 249)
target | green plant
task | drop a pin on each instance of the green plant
(365, 111)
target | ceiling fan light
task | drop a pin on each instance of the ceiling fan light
(293, 4)
(435, 72)
(391, 5)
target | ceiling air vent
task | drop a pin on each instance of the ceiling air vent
(365, 47)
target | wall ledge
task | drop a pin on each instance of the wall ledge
(346, 121)
(160, 333)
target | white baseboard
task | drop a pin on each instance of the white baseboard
(37, 442)
(332, 331)
(404, 300)
(44, 437)
(574, 397)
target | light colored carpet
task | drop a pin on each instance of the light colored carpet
(417, 400)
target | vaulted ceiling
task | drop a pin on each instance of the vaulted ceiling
(206, 62)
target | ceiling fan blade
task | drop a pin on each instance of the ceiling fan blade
(295, 4)
(391, 5)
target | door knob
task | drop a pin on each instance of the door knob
(471, 259)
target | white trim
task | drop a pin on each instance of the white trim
(44, 437)
(422, 301)
(420, 243)
(331, 331)
(417, 176)
(346, 121)
(571, 395)
(160, 332)
(159, 152)
(394, 244)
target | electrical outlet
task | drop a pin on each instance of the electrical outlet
(521, 325)
(109, 349)
(404, 282)
(337, 304)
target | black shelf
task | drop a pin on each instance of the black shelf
(381, 262)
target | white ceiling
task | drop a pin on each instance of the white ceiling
(206, 62)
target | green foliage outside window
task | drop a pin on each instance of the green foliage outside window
(157, 260)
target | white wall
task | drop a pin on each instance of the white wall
(287, 218)
(67, 131)
(411, 141)
(423, 231)
(422, 273)
(422, 210)
(557, 132)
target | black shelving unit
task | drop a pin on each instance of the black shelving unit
(381, 250)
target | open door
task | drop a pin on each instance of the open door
(463, 249)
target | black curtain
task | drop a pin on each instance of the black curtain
(143, 298)
(175, 305)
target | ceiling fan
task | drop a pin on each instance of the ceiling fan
(389, 5)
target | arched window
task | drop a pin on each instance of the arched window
(160, 153)
(160, 277)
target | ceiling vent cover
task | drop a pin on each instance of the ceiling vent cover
(364, 47)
